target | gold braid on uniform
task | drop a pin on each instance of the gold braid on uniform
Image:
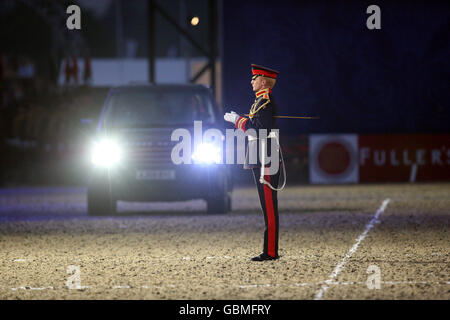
(253, 112)
(241, 122)
(261, 94)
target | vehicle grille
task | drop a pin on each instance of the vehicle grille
(147, 147)
(140, 157)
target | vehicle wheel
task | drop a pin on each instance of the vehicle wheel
(219, 204)
(100, 201)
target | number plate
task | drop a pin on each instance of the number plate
(155, 175)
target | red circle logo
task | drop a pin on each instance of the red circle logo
(334, 158)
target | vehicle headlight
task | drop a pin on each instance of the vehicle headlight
(207, 153)
(105, 153)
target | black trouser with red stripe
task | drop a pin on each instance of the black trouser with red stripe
(269, 205)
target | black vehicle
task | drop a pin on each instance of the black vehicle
(131, 158)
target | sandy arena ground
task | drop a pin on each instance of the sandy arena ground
(332, 239)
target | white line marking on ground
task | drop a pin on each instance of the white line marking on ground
(345, 283)
(340, 266)
(390, 283)
(79, 287)
(206, 257)
(258, 285)
(249, 286)
(303, 284)
(31, 288)
(19, 260)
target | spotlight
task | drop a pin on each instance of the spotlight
(195, 21)
(105, 153)
(207, 153)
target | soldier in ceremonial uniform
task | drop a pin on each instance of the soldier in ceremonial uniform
(261, 116)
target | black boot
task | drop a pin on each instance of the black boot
(264, 256)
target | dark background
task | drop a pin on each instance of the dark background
(393, 80)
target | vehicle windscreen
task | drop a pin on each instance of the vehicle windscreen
(147, 108)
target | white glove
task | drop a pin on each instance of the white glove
(231, 117)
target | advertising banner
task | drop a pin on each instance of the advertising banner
(404, 157)
(351, 158)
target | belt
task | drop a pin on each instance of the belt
(270, 136)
